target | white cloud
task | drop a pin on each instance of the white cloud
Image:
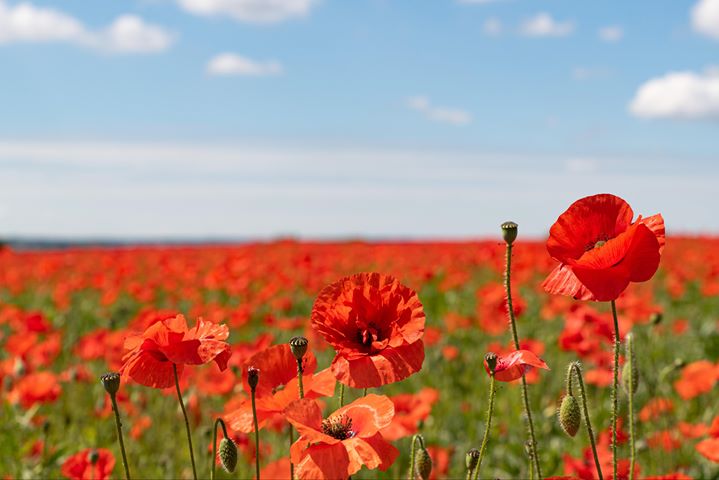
(492, 27)
(680, 95)
(452, 116)
(236, 65)
(251, 11)
(611, 33)
(705, 18)
(127, 34)
(543, 25)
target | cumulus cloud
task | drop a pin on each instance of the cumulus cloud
(611, 33)
(251, 11)
(452, 116)
(679, 95)
(705, 18)
(231, 64)
(543, 25)
(492, 27)
(26, 22)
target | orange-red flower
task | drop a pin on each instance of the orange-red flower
(513, 366)
(150, 356)
(375, 325)
(81, 466)
(600, 250)
(37, 387)
(409, 410)
(339, 445)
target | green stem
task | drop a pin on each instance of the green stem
(488, 425)
(292, 465)
(630, 385)
(615, 384)
(590, 432)
(43, 459)
(300, 371)
(342, 394)
(214, 444)
(187, 422)
(364, 393)
(257, 436)
(118, 424)
(412, 456)
(515, 337)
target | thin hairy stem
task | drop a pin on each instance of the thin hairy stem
(214, 444)
(257, 436)
(187, 421)
(412, 456)
(525, 394)
(118, 424)
(488, 425)
(342, 394)
(590, 432)
(615, 384)
(292, 465)
(630, 385)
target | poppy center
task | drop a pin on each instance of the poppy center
(368, 335)
(339, 427)
(600, 243)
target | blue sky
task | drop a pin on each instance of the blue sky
(203, 118)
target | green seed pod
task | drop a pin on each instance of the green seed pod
(298, 345)
(253, 376)
(569, 416)
(509, 232)
(111, 382)
(228, 455)
(423, 464)
(472, 459)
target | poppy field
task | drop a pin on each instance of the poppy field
(592, 353)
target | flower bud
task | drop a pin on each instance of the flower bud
(423, 464)
(509, 232)
(228, 454)
(569, 416)
(491, 359)
(111, 382)
(472, 459)
(298, 345)
(93, 456)
(253, 377)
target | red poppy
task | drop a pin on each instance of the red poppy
(91, 463)
(409, 410)
(513, 366)
(36, 387)
(697, 378)
(375, 325)
(339, 445)
(151, 355)
(277, 387)
(601, 250)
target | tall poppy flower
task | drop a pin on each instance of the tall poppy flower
(601, 250)
(375, 325)
(150, 356)
(95, 464)
(512, 366)
(338, 446)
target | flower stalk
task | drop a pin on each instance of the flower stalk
(253, 377)
(631, 383)
(111, 382)
(187, 421)
(228, 450)
(492, 363)
(576, 368)
(615, 384)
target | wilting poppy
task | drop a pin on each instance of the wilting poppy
(513, 366)
(375, 325)
(150, 356)
(91, 463)
(600, 250)
(339, 445)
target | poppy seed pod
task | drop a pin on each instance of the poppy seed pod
(228, 454)
(298, 345)
(472, 459)
(423, 464)
(509, 232)
(111, 382)
(491, 359)
(93, 456)
(253, 376)
(569, 416)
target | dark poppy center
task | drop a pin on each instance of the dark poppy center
(339, 427)
(368, 335)
(598, 243)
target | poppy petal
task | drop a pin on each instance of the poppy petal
(369, 414)
(373, 452)
(562, 281)
(324, 462)
(389, 366)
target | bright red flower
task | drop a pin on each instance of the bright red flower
(709, 448)
(600, 250)
(697, 378)
(511, 367)
(409, 410)
(37, 387)
(375, 325)
(151, 355)
(81, 467)
(339, 445)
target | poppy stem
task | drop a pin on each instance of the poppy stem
(300, 371)
(577, 369)
(525, 394)
(214, 444)
(187, 422)
(364, 393)
(615, 384)
(342, 394)
(490, 410)
(257, 434)
(630, 384)
(413, 455)
(292, 465)
(118, 424)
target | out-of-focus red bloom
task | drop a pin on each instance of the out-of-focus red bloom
(689, 430)
(37, 387)
(339, 445)
(655, 408)
(512, 366)
(670, 476)
(375, 325)
(664, 439)
(600, 250)
(150, 356)
(697, 378)
(409, 410)
(277, 387)
(277, 470)
(709, 447)
(80, 466)
(441, 459)
(492, 308)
